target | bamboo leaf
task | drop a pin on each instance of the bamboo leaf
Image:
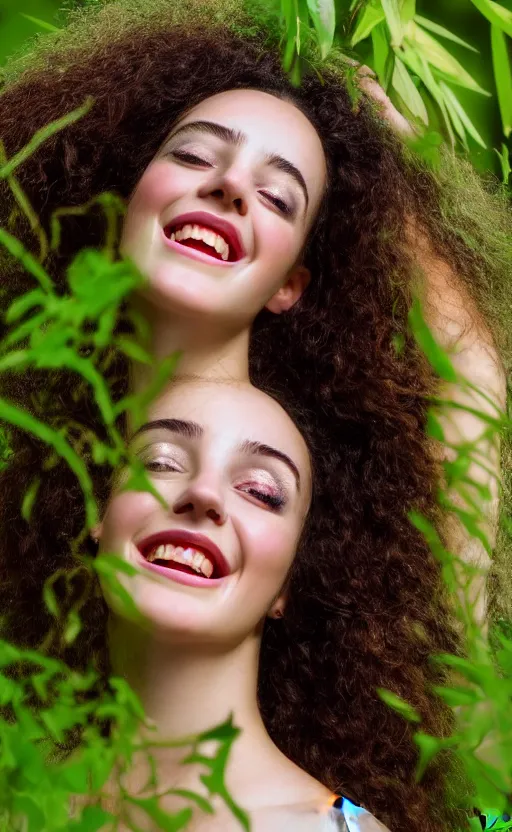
(504, 158)
(399, 705)
(427, 343)
(323, 15)
(417, 63)
(383, 55)
(442, 32)
(466, 121)
(371, 15)
(403, 84)
(42, 23)
(495, 14)
(442, 60)
(392, 12)
(502, 76)
(408, 10)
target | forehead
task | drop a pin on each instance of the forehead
(270, 123)
(229, 415)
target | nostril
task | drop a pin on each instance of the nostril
(213, 515)
(184, 508)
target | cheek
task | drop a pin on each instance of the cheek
(269, 546)
(281, 242)
(126, 516)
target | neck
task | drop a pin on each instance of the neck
(207, 351)
(188, 689)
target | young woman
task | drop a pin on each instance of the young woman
(215, 586)
(331, 199)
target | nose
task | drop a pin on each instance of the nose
(228, 188)
(201, 499)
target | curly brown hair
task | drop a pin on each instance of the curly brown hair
(367, 606)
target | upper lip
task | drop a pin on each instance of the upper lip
(187, 539)
(222, 227)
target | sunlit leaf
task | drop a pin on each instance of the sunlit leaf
(457, 696)
(403, 84)
(419, 65)
(439, 58)
(41, 23)
(392, 12)
(323, 15)
(29, 498)
(502, 76)
(163, 820)
(370, 16)
(452, 101)
(408, 10)
(442, 32)
(429, 747)
(399, 705)
(496, 14)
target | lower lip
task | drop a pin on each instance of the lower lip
(180, 577)
(200, 256)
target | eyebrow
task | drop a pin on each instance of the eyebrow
(191, 430)
(237, 138)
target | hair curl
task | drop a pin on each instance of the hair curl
(367, 606)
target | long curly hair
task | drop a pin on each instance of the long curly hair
(367, 605)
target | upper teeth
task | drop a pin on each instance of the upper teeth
(195, 232)
(189, 557)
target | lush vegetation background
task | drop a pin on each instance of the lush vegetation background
(455, 80)
(448, 69)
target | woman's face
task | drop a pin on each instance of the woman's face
(219, 219)
(234, 473)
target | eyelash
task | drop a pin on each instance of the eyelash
(273, 501)
(155, 465)
(193, 159)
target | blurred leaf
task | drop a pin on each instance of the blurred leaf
(429, 747)
(502, 76)
(442, 32)
(323, 15)
(504, 158)
(42, 23)
(434, 427)
(404, 85)
(457, 696)
(392, 12)
(439, 57)
(452, 101)
(496, 14)
(164, 821)
(93, 819)
(73, 627)
(426, 341)
(408, 10)
(29, 498)
(399, 705)
(383, 55)
(370, 16)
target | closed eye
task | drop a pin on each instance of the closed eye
(159, 465)
(280, 204)
(275, 502)
(191, 158)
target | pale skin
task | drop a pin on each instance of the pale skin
(195, 661)
(207, 311)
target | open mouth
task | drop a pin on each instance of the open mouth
(207, 234)
(181, 552)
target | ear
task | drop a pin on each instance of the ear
(288, 295)
(278, 607)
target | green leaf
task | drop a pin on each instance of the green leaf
(404, 85)
(392, 12)
(496, 14)
(134, 350)
(323, 15)
(93, 819)
(73, 627)
(442, 60)
(408, 10)
(502, 77)
(383, 55)
(453, 102)
(504, 158)
(370, 16)
(399, 705)
(429, 747)
(457, 696)
(42, 23)
(442, 32)
(434, 427)
(426, 341)
(29, 498)
(164, 821)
